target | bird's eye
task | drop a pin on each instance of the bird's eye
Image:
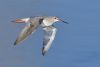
(55, 18)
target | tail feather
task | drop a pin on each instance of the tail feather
(18, 21)
(24, 20)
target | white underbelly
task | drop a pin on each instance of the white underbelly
(45, 23)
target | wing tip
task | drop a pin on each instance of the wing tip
(43, 54)
(43, 51)
(15, 43)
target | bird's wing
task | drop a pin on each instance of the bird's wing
(27, 30)
(49, 35)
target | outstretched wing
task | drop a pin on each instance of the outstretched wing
(28, 29)
(49, 35)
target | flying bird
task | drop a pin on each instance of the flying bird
(32, 23)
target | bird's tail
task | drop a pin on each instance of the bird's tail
(23, 20)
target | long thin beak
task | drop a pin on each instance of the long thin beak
(64, 21)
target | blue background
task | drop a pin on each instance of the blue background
(76, 44)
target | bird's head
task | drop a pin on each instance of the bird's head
(56, 19)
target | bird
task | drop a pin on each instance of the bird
(34, 22)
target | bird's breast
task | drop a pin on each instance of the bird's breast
(46, 23)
